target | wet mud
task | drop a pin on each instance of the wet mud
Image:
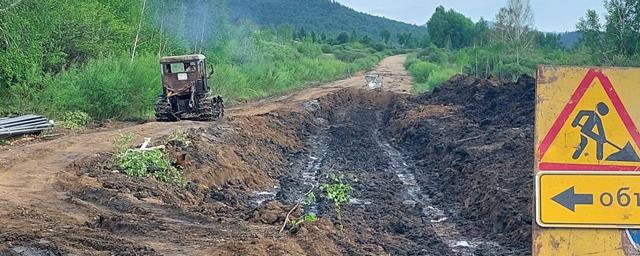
(445, 173)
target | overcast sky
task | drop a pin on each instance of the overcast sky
(550, 15)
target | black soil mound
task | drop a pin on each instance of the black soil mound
(473, 143)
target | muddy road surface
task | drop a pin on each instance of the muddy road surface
(426, 174)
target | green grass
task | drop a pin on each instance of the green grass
(427, 75)
(117, 88)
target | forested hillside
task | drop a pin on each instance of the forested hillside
(60, 57)
(320, 16)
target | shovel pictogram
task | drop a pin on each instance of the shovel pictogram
(593, 129)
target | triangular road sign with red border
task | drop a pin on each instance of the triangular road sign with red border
(594, 131)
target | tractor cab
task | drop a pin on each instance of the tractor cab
(184, 74)
(185, 90)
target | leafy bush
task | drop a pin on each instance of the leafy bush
(422, 70)
(74, 120)
(326, 49)
(147, 163)
(103, 88)
(436, 78)
(428, 75)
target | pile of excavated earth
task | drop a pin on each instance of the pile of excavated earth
(443, 173)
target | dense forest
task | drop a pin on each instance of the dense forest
(89, 56)
(511, 46)
(321, 16)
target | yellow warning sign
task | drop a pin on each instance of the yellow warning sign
(586, 161)
(588, 199)
(592, 132)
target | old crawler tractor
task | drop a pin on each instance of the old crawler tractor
(186, 93)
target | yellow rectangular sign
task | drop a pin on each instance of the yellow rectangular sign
(588, 199)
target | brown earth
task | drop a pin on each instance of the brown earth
(409, 160)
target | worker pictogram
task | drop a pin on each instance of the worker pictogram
(593, 132)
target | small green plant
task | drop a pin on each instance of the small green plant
(307, 218)
(310, 217)
(74, 120)
(309, 199)
(123, 142)
(338, 192)
(180, 137)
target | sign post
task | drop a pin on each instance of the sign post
(587, 183)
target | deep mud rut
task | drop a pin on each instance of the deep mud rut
(407, 158)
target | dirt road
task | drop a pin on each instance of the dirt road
(400, 153)
(27, 174)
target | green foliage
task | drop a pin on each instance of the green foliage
(307, 218)
(450, 28)
(310, 217)
(63, 57)
(147, 163)
(616, 40)
(123, 142)
(421, 71)
(338, 192)
(74, 120)
(427, 75)
(342, 38)
(310, 199)
(321, 16)
(103, 88)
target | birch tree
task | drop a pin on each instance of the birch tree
(514, 24)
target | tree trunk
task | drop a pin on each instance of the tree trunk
(135, 42)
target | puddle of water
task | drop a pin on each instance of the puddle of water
(358, 201)
(262, 196)
(309, 169)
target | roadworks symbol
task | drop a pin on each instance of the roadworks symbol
(593, 132)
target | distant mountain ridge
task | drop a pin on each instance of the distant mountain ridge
(319, 16)
(570, 39)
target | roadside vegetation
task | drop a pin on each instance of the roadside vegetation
(512, 47)
(101, 57)
(337, 192)
(152, 162)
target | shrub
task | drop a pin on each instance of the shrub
(74, 120)
(137, 163)
(147, 163)
(422, 70)
(326, 49)
(103, 88)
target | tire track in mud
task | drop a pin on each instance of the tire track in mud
(308, 167)
(450, 232)
(346, 141)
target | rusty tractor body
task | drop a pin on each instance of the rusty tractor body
(185, 91)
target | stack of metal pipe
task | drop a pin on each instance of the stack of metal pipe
(29, 124)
